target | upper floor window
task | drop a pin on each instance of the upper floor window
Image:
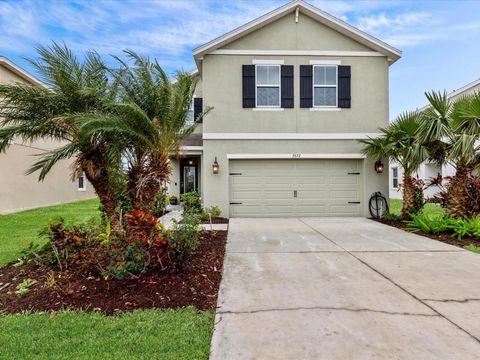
(325, 86)
(395, 177)
(267, 85)
(190, 115)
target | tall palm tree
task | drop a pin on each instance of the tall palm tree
(76, 91)
(455, 128)
(150, 121)
(398, 142)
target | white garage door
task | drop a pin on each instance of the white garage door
(292, 188)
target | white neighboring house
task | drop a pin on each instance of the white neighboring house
(428, 170)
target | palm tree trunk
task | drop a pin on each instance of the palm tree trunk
(457, 194)
(145, 182)
(107, 199)
(408, 196)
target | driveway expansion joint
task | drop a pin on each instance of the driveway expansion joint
(329, 308)
(394, 283)
(461, 301)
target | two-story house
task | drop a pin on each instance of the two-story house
(21, 192)
(292, 92)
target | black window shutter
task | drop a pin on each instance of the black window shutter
(287, 86)
(344, 88)
(306, 86)
(248, 86)
(197, 108)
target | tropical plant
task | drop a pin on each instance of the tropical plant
(191, 202)
(451, 130)
(151, 120)
(75, 92)
(398, 142)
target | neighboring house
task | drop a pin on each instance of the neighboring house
(428, 170)
(292, 92)
(19, 191)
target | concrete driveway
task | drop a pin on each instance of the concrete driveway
(344, 288)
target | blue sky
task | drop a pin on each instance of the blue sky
(439, 39)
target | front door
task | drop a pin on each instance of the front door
(189, 179)
(188, 175)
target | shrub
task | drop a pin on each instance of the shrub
(160, 203)
(126, 261)
(464, 227)
(191, 202)
(426, 223)
(210, 213)
(387, 215)
(184, 238)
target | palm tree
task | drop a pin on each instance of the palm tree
(150, 121)
(455, 128)
(398, 142)
(76, 92)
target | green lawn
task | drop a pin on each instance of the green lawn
(19, 229)
(153, 334)
(170, 334)
(431, 209)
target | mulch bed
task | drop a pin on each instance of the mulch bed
(444, 237)
(196, 285)
(219, 220)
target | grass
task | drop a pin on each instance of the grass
(473, 248)
(19, 229)
(150, 334)
(153, 334)
(430, 209)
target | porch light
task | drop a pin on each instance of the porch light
(379, 167)
(215, 166)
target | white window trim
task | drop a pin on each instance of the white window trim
(324, 86)
(84, 188)
(273, 86)
(268, 108)
(325, 108)
(395, 177)
(268, 62)
(325, 62)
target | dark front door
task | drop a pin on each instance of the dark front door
(188, 175)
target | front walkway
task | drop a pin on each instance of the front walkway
(344, 288)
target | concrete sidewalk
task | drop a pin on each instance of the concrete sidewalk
(344, 288)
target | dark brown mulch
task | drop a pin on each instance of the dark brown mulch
(196, 285)
(219, 220)
(444, 237)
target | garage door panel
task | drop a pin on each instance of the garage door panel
(267, 188)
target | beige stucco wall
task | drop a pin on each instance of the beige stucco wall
(222, 89)
(19, 191)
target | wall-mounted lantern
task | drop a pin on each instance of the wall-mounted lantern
(215, 166)
(379, 167)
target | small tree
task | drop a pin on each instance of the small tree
(398, 142)
(77, 92)
(452, 129)
(150, 122)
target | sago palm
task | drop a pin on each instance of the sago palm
(455, 126)
(398, 142)
(76, 91)
(151, 120)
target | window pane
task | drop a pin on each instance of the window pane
(81, 183)
(395, 183)
(268, 96)
(325, 96)
(262, 75)
(325, 75)
(268, 75)
(395, 172)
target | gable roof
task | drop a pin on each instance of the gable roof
(10, 65)
(331, 21)
(474, 86)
